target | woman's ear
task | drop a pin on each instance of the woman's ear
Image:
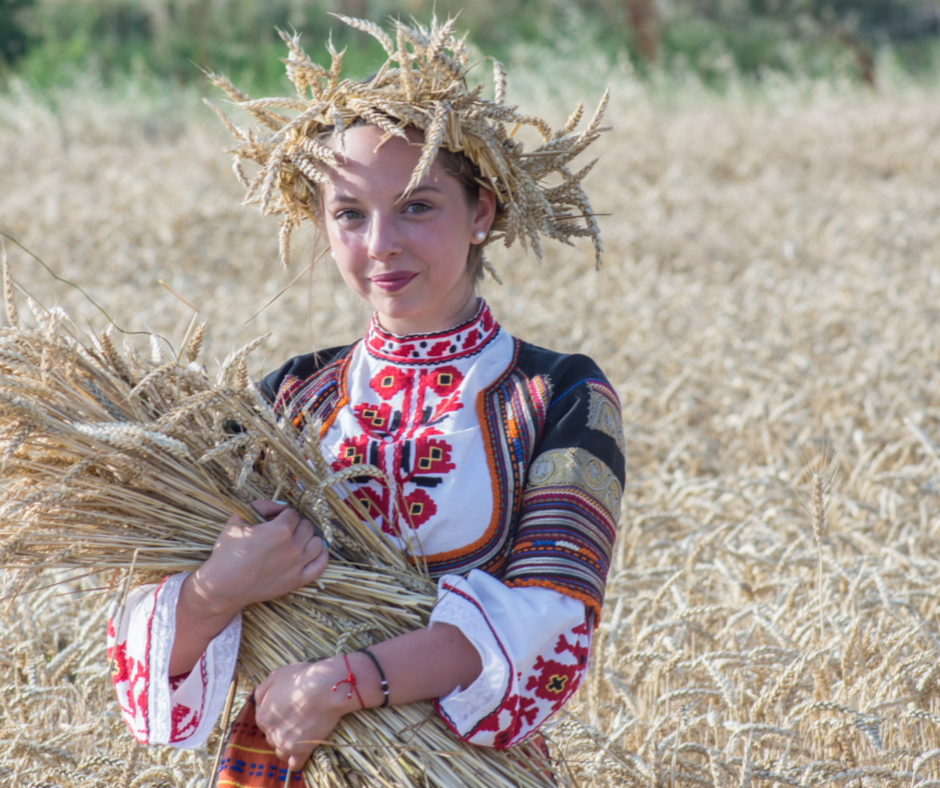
(483, 214)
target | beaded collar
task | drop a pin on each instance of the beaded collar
(453, 344)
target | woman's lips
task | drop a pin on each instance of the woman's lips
(392, 281)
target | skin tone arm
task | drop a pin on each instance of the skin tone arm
(297, 706)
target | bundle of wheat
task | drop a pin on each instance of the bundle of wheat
(110, 460)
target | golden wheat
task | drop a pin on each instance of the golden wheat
(770, 293)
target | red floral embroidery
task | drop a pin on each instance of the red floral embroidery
(121, 671)
(432, 456)
(352, 451)
(528, 711)
(445, 380)
(579, 651)
(179, 713)
(374, 506)
(420, 508)
(556, 681)
(439, 349)
(472, 336)
(523, 711)
(390, 381)
(374, 419)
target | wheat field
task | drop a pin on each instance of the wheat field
(769, 313)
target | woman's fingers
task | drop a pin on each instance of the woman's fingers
(261, 690)
(268, 509)
(296, 762)
(315, 568)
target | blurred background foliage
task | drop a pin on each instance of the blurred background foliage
(46, 42)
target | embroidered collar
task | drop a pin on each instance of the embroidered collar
(459, 342)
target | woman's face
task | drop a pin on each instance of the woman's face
(407, 257)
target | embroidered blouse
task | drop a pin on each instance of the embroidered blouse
(508, 463)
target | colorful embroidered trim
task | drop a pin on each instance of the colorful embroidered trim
(319, 397)
(467, 339)
(564, 541)
(512, 415)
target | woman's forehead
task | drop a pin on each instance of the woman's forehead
(367, 162)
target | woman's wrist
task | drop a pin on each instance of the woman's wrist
(195, 593)
(355, 683)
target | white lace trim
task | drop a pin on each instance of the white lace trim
(466, 707)
(216, 667)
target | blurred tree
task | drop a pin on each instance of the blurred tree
(644, 25)
(14, 38)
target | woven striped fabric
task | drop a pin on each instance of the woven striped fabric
(249, 761)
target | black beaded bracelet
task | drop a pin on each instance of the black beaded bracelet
(378, 667)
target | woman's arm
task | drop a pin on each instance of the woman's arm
(298, 707)
(248, 564)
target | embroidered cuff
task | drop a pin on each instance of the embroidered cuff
(458, 605)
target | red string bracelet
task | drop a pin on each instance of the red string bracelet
(351, 681)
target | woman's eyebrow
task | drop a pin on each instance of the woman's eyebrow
(347, 199)
(426, 187)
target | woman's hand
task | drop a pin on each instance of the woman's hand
(255, 563)
(249, 563)
(297, 707)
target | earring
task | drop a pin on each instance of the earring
(479, 235)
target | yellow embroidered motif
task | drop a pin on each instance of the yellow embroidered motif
(604, 414)
(578, 468)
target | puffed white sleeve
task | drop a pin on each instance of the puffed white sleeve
(159, 709)
(534, 645)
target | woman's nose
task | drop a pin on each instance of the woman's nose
(384, 242)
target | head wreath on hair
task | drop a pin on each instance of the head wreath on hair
(423, 85)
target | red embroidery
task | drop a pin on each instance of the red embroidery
(527, 714)
(179, 713)
(439, 349)
(556, 682)
(390, 381)
(579, 651)
(417, 386)
(352, 451)
(445, 380)
(121, 670)
(374, 419)
(432, 455)
(522, 711)
(420, 508)
(372, 503)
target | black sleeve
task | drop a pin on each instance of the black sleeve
(571, 501)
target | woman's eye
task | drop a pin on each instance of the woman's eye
(417, 207)
(349, 215)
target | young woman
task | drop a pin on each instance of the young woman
(507, 461)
